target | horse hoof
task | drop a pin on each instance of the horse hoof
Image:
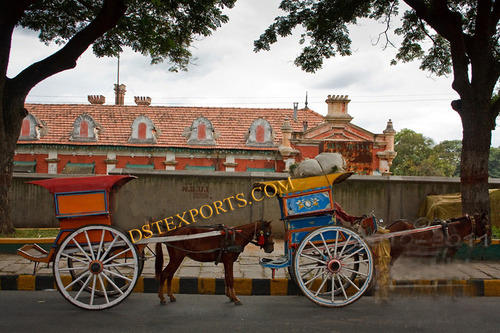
(238, 302)
(173, 299)
(162, 302)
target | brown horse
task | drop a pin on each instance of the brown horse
(222, 248)
(449, 237)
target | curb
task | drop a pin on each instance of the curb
(267, 287)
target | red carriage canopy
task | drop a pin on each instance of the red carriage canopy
(76, 184)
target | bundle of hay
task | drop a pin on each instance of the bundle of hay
(322, 164)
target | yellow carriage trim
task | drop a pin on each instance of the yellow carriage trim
(293, 185)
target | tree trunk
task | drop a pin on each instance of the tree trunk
(477, 125)
(12, 113)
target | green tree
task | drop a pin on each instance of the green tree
(459, 36)
(494, 162)
(419, 156)
(413, 149)
(162, 29)
(448, 154)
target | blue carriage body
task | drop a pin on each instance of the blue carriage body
(306, 204)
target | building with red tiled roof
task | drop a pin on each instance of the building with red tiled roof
(96, 138)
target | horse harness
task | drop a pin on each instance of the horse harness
(227, 244)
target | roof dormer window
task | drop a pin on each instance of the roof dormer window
(201, 132)
(30, 128)
(143, 131)
(85, 129)
(260, 133)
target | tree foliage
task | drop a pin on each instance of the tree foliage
(447, 36)
(494, 162)
(420, 156)
(162, 29)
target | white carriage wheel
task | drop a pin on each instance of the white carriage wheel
(333, 266)
(96, 267)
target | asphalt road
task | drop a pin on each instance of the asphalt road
(47, 311)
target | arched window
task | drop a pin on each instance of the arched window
(143, 130)
(84, 129)
(26, 129)
(201, 132)
(30, 128)
(260, 133)
(141, 135)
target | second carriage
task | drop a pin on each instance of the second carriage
(331, 263)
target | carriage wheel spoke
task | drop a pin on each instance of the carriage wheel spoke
(313, 278)
(73, 258)
(349, 280)
(90, 244)
(75, 281)
(67, 269)
(116, 255)
(82, 287)
(350, 255)
(353, 271)
(310, 268)
(333, 288)
(103, 288)
(113, 284)
(326, 245)
(117, 275)
(319, 251)
(84, 253)
(92, 293)
(127, 264)
(321, 286)
(312, 258)
(345, 244)
(359, 261)
(109, 248)
(342, 287)
(101, 243)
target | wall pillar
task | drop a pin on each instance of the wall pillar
(230, 164)
(52, 162)
(110, 162)
(170, 161)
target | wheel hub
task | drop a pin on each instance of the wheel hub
(334, 266)
(96, 267)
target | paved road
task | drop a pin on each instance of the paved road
(46, 311)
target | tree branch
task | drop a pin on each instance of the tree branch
(65, 58)
(448, 24)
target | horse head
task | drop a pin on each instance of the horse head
(481, 227)
(264, 237)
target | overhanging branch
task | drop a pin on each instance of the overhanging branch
(65, 58)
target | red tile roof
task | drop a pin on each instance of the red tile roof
(232, 124)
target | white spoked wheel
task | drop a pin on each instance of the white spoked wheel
(333, 266)
(96, 267)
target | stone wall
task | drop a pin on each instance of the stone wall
(155, 195)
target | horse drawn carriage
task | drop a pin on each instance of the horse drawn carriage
(96, 265)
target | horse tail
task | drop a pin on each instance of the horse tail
(158, 261)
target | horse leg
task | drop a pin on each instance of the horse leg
(171, 268)
(228, 274)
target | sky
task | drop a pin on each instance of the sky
(227, 73)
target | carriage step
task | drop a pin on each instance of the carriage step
(33, 252)
(275, 262)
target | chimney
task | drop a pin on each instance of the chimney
(142, 100)
(337, 109)
(96, 99)
(295, 109)
(120, 94)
